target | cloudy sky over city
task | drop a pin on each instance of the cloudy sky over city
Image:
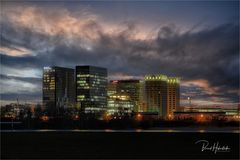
(197, 41)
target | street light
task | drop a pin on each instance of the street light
(139, 117)
(189, 101)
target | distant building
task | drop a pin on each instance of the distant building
(173, 95)
(230, 111)
(16, 111)
(58, 87)
(161, 94)
(112, 88)
(199, 116)
(205, 113)
(142, 99)
(156, 94)
(130, 87)
(91, 88)
(120, 104)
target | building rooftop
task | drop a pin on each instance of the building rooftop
(125, 81)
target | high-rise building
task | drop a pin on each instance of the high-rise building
(130, 87)
(91, 88)
(58, 87)
(173, 95)
(120, 104)
(156, 94)
(162, 94)
(112, 88)
(142, 104)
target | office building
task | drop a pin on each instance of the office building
(162, 95)
(130, 87)
(120, 104)
(91, 88)
(58, 87)
(142, 99)
(112, 88)
(173, 95)
(156, 94)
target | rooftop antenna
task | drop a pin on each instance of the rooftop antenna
(17, 102)
(190, 103)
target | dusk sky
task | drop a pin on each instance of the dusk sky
(197, 41)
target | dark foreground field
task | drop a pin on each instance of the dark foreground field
(145, 145)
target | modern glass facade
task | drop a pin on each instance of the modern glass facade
(130, 87)
(58, 87)
(112, 88)
(120, 104)
(49, 89)
(91, 88)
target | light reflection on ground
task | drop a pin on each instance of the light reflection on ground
(160, 130)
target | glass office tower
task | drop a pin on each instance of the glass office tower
(131, 87)
(91, 88)
(58, 87)
(173, 92)
(120, 104)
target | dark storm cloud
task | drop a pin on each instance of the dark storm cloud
(21, 97)
(25, 89)
(211, 54)
(11, 36)
(21, 62)
(24, 79)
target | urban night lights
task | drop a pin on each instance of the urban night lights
(85, 92)
(156, 96)
(131, 41)
(153, 94)
(125, 79)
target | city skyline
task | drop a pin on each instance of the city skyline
(130, 40)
